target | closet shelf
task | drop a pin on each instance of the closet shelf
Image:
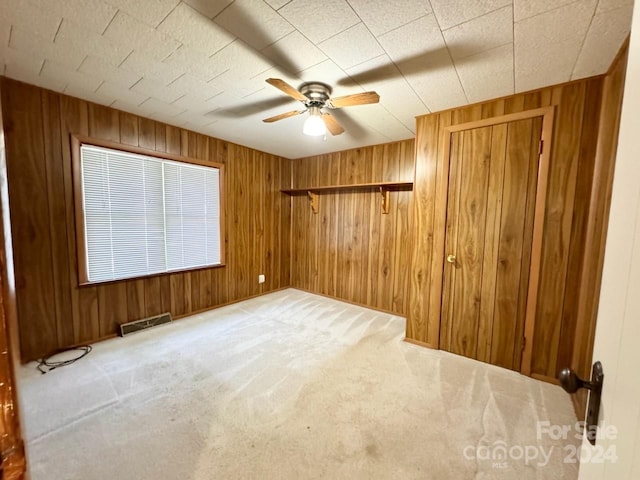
(352, 186)
(383, 187)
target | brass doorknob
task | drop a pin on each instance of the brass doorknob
(451, 258)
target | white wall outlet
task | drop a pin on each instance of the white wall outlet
(261, 278)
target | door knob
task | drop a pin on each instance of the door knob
(451, 258)
(571, 382)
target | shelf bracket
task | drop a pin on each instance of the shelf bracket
(385, 200)
(313, 201)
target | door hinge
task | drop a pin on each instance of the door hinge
(540, 147)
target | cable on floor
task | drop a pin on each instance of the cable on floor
(46, 365)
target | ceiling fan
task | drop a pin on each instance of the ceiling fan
(316, 97)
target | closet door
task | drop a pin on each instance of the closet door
(490, 213)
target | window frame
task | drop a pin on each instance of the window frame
(77, 141)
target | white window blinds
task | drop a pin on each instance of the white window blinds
(144, 215)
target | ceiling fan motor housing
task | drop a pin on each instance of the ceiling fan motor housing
(317, 93)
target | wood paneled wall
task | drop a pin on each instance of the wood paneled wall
(577, 106)
(53, 311)
(597, 221)
(11, 444)
(349, 249)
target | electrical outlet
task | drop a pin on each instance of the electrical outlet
(261, 278)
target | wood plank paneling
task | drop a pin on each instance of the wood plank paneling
(31, 232)
(471, 154)
(597, 221)
(54, 312)
(516, 230)
(57, 212)
(11, 443)
(561, 198)
(349, 249)
(563, 236)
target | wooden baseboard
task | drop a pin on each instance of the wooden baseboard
(420, 344)
(214, 307)
(177, 317)
(357, 304)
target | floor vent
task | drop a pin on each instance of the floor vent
(138, 325)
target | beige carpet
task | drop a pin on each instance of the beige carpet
(287, 386)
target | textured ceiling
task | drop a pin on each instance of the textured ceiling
(202, 64)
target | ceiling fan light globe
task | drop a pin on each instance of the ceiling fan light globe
(314, 126)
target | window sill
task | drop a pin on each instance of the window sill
(153, 275)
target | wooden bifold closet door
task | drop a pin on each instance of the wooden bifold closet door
(490, 214)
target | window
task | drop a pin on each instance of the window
(138, 214)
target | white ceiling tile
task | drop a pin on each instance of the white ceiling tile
(319, 20)
(133, 34)
(606, 5)
(195, 30)
(144, 66)
(328, 72)
(224, 100)
(362, 46)
(294, 52)
(47, 83)
(58, 73)
(195, 102)
(528, 8)
(195, 86)
(31, 44)
(5, 33)
(238, 86)
(154, 106)
(89, 95)
(126, 107)
(254, 22)
(194, 63)
(92, 14)
(27, 16)
(534, 68)
(378, 118)
(438, 86)
(124, 95)
(277, 4)
(73, 37)
(382, 17)
(151, 12)
(420, 37)
(451, 13)
(265, 102)
(240, 59)
(482, 33)
(413, 75)
(98, 67)
(607, 32)
(209, 8)
(425, 62)
(557, 25)
(547, 45)
(488, 74)
(151, 88)
(192, 119)
(20, 66)
(382, 76)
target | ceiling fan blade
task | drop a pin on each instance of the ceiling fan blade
(332, 124)
(286, 88)
(355, 99)
(283, 116)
